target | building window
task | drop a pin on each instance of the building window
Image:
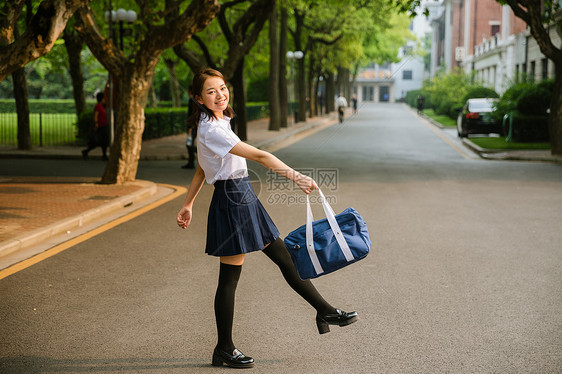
(533, 71)
(544, 68)
(407, 75)
(495, 29)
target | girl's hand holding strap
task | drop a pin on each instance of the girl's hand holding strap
(305, 183)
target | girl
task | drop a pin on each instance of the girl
(237, 223)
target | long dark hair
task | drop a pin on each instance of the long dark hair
(196, 92)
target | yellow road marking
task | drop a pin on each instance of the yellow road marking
(90, 234)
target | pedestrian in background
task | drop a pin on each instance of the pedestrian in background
(354, 103)
(341, 104)
(191, 136)
(421, 102)
(237, 222)
(99, 134)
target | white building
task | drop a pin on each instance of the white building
(391, 82)
(485, 38)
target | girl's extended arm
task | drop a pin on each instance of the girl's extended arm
(271, 162)
(184, 216)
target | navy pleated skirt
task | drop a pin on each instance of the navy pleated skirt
(238, 222)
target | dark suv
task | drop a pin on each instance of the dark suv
(476, 118)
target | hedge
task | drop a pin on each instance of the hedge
(412, 98)
(160, 122)
(528, 128)
(44, 106)
(478, 92)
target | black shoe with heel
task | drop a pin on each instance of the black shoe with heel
(339, 318)
(236, 359)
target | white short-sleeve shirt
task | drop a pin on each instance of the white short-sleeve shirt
(215, 139)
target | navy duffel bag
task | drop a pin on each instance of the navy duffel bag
(324, 246)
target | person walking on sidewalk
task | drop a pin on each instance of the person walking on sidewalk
(191, 136)
(341, 104)
(99, 135)
(238, 223)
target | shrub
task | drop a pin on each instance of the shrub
(534, 101)
(160, 122)
(446, 91)
(509, 99)
(412, 98)
(43, 106)
(530, 128)
(547, 84)
(477, 92)
(85, 123)
(258, 89)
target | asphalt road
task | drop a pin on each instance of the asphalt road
(464, 275)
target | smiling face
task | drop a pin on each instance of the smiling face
(214, 95)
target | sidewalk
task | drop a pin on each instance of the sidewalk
(34, 210)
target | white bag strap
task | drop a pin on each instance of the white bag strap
(309, 239)
(336, 228)
(330, 216)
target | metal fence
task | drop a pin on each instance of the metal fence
(46, 129)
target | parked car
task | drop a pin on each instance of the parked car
(476, 118)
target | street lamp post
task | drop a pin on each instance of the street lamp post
(120, 15)
(292, 56)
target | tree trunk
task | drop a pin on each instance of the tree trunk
(354, 77)
(135, 77)
(315, 95)
(330, 93)
(301, 79)
(22, 100)
(347, 86)
(22, 108)
(73, 44)
(301, 86)
(340, 88)
(240, 101)
(310, 86)
(283, 94)
(152, 99)
(175, 92)
(555, 118)
(274, 120)
(129, 125)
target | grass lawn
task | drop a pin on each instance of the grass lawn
(55, 129)
(500, 143)
(444, 120)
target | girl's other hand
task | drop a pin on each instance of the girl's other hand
(305, 183)
(184, 217)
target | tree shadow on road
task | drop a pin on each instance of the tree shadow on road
(38, 364)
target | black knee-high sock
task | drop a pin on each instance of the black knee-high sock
(278, 253)
(224, 304)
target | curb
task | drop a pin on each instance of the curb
(491, 154)
(40, 235)
(432, 121)
(476, 148)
